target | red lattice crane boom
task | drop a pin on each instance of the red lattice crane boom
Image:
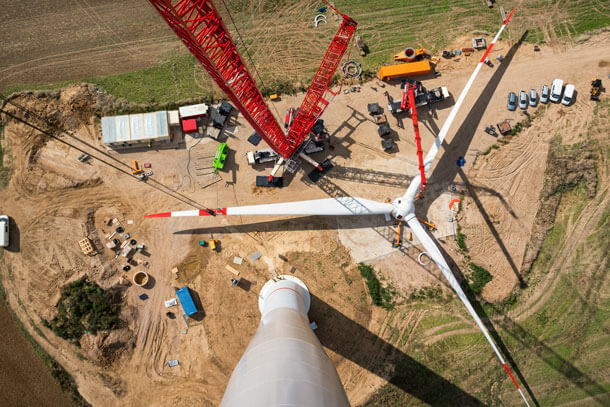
(201, 29)
(314, 103)
(410, 91)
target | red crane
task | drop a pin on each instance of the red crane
(201, 29)
(410, 88)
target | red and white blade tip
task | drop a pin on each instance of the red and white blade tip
(196, 212)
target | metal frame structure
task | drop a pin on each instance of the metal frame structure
(200, 27)
(315, 102)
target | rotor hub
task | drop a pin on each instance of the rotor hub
(401, 208)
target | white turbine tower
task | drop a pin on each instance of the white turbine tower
(285, 363)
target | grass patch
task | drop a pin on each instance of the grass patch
(479, 276)
(273, 53)
(5, 173)
(381, 296)
(85, 307)
(460, 239)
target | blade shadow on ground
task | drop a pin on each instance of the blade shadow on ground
(486, 321)
(303, 223)
(492, 228)
(446, 169)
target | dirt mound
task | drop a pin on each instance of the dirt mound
(567, 166)
(108, 347)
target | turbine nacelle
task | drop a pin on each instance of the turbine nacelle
(401, 208)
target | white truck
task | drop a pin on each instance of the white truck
(261, 156)
(4, 224)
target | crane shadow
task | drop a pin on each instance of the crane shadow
(342, 134)
(369, 176)
(356, 343)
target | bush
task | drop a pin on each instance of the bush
(85, 307)
(480, 276)
(460, 239)
(381, 296)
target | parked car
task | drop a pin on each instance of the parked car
(544, 94)
(512, 101)
(556, 90)
(522, 100)
(4, 224)
(533, 98)
(568, 95)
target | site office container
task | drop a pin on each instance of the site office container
(403, 70)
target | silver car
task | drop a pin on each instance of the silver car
(544, 94)
(522, 100)
(533, 98)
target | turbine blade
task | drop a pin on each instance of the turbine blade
(416, 182)
(328, 207)
(435, 254)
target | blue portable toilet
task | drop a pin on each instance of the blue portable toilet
(186, 301)
(461, 161)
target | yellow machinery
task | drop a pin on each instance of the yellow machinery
(398, 241)
(136, 168)
(409, 54)
(431, 226)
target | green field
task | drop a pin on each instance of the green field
(285, 48)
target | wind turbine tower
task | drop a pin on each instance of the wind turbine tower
(284, 364)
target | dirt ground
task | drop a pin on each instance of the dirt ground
(109, 39)
(55, 200)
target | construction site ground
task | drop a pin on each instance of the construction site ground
(55, 200)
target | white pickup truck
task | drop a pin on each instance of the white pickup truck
(261, 156)
(4, 241)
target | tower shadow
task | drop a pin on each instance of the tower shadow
(356, 343)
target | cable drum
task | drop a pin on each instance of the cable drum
(426, 260)
(351, 69)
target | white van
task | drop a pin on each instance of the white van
(556, 90)
(3, 231)
(568, 95)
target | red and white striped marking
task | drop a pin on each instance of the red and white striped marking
(496, 37)
(414, 188)
(196, 212)
(343, 206)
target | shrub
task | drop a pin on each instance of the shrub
(460, 239)
(85, 307)
(381, 296)
(480, 276)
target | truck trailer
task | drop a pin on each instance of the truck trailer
(403, 70)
